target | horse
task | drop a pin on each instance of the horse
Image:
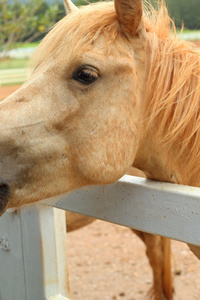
(109, 89)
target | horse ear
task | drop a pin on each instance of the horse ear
(69, 6)
(129, 13)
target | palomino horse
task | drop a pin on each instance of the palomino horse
(109, 89)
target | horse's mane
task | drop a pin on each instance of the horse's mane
(173, 99)
(173, 76)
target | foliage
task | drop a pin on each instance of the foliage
(183, 12)
(22, 22)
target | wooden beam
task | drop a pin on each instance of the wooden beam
(160, 208)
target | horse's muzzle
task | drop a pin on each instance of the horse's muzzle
(4, 196)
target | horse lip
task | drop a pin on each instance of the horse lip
(4, 196)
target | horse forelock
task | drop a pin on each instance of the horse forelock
(84, 26)
(79, 28)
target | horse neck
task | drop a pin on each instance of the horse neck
(170, 147)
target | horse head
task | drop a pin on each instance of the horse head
(109, 88)
(75, 121)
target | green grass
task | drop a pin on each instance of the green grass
(185, 30)
(26, 45)
(13, 63)
(10, 84)
(9, 63)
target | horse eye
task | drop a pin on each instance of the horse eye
(86, 76)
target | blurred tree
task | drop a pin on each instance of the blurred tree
(184, 12)
(22, 22)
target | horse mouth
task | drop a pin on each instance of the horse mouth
(4, 197)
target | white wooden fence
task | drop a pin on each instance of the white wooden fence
(33, 260)
(12, 76)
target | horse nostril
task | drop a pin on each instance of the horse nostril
(4, 196)
(4, 189)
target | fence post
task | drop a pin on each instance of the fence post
(33, 254)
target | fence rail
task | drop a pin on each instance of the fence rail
(33, 240)
(165, 209)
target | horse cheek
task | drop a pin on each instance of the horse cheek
(103, 156)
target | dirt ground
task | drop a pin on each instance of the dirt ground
(108, 262)
(7, 90)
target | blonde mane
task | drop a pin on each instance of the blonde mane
(173, 99)
(173, 71)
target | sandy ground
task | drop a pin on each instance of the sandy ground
(108, 262)
(7, 90)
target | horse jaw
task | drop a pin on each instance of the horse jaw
(69, 6)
